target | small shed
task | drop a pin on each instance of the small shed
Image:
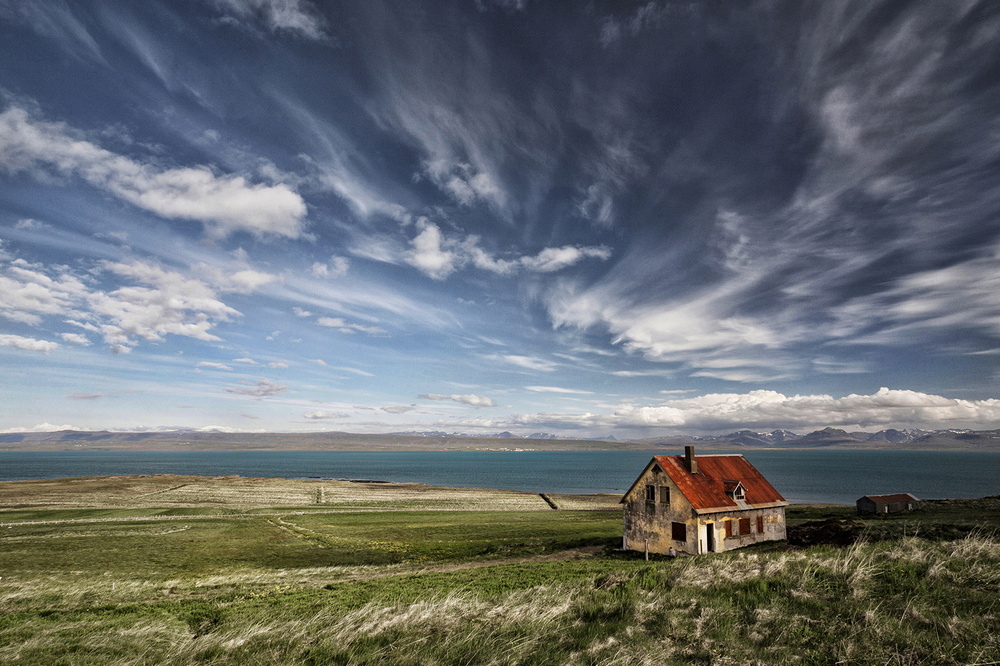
(897, 503)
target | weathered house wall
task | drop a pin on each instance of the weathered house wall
(757, 525)
(648, 525)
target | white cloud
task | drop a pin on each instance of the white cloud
(86, 396)
(345, 327)
(246, 360)
(768, 410)
(298, 17)
(41, 427)
(224, 204)
(427, 254)
(556, 258)
(965, 295)
(244, 281)
(151, 302)
(277, 364)
(27, 344)
(323, 415)
(597, 205)
(697, 330)
(474, 400)
(647, 17)
(397, 409)
(264, 388)
(168, 303)
(529, 362)
(557, 389)
(829, 366)
(76, 339)
(438, 256)
(27, 292)
(319, 361)
(29, 224)
(337, 267)
(55, 20)
(213, 365)
(362, 373)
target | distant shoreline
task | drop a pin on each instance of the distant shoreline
(434, 447)
(180, 440)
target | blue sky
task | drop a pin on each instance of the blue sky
(584, 219)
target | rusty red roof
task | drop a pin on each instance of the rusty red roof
(892, 499)
(706, 490)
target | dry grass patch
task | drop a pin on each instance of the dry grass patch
(596, 502)
(169, 492)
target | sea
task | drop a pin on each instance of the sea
(801, 476)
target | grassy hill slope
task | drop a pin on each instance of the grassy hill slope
(136, 570)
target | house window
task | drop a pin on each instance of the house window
(678, 532)
(729, 529)
(744, 526)
(664, 495)
(738, 493)
(650, 493)
(760, 524)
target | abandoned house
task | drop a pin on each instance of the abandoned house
(887, 503)
(701, 504)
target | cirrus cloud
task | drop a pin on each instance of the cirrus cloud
(263, 389)
(471, 399)
(321, 415)
(438, 256)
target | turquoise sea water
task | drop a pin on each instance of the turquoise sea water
(801, 476)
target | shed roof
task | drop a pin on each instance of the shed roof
(706, 490)
(891, 499)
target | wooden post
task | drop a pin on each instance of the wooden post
(647, 549)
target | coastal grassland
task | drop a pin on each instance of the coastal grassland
(288, 585)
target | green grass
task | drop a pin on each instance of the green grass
(478, 587)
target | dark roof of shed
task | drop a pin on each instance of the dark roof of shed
(706, 489)
(891, 499)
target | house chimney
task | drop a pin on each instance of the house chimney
(689, 462)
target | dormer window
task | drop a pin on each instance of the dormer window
(735, 490)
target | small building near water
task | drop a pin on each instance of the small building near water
(897, 503)
(700, 504)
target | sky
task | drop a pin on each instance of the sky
(587, 219)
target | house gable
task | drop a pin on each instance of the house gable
(655, 476)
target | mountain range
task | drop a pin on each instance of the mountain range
(180, 439)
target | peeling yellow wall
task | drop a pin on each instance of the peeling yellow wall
(648, 526)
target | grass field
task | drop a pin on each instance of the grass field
(181, 570)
